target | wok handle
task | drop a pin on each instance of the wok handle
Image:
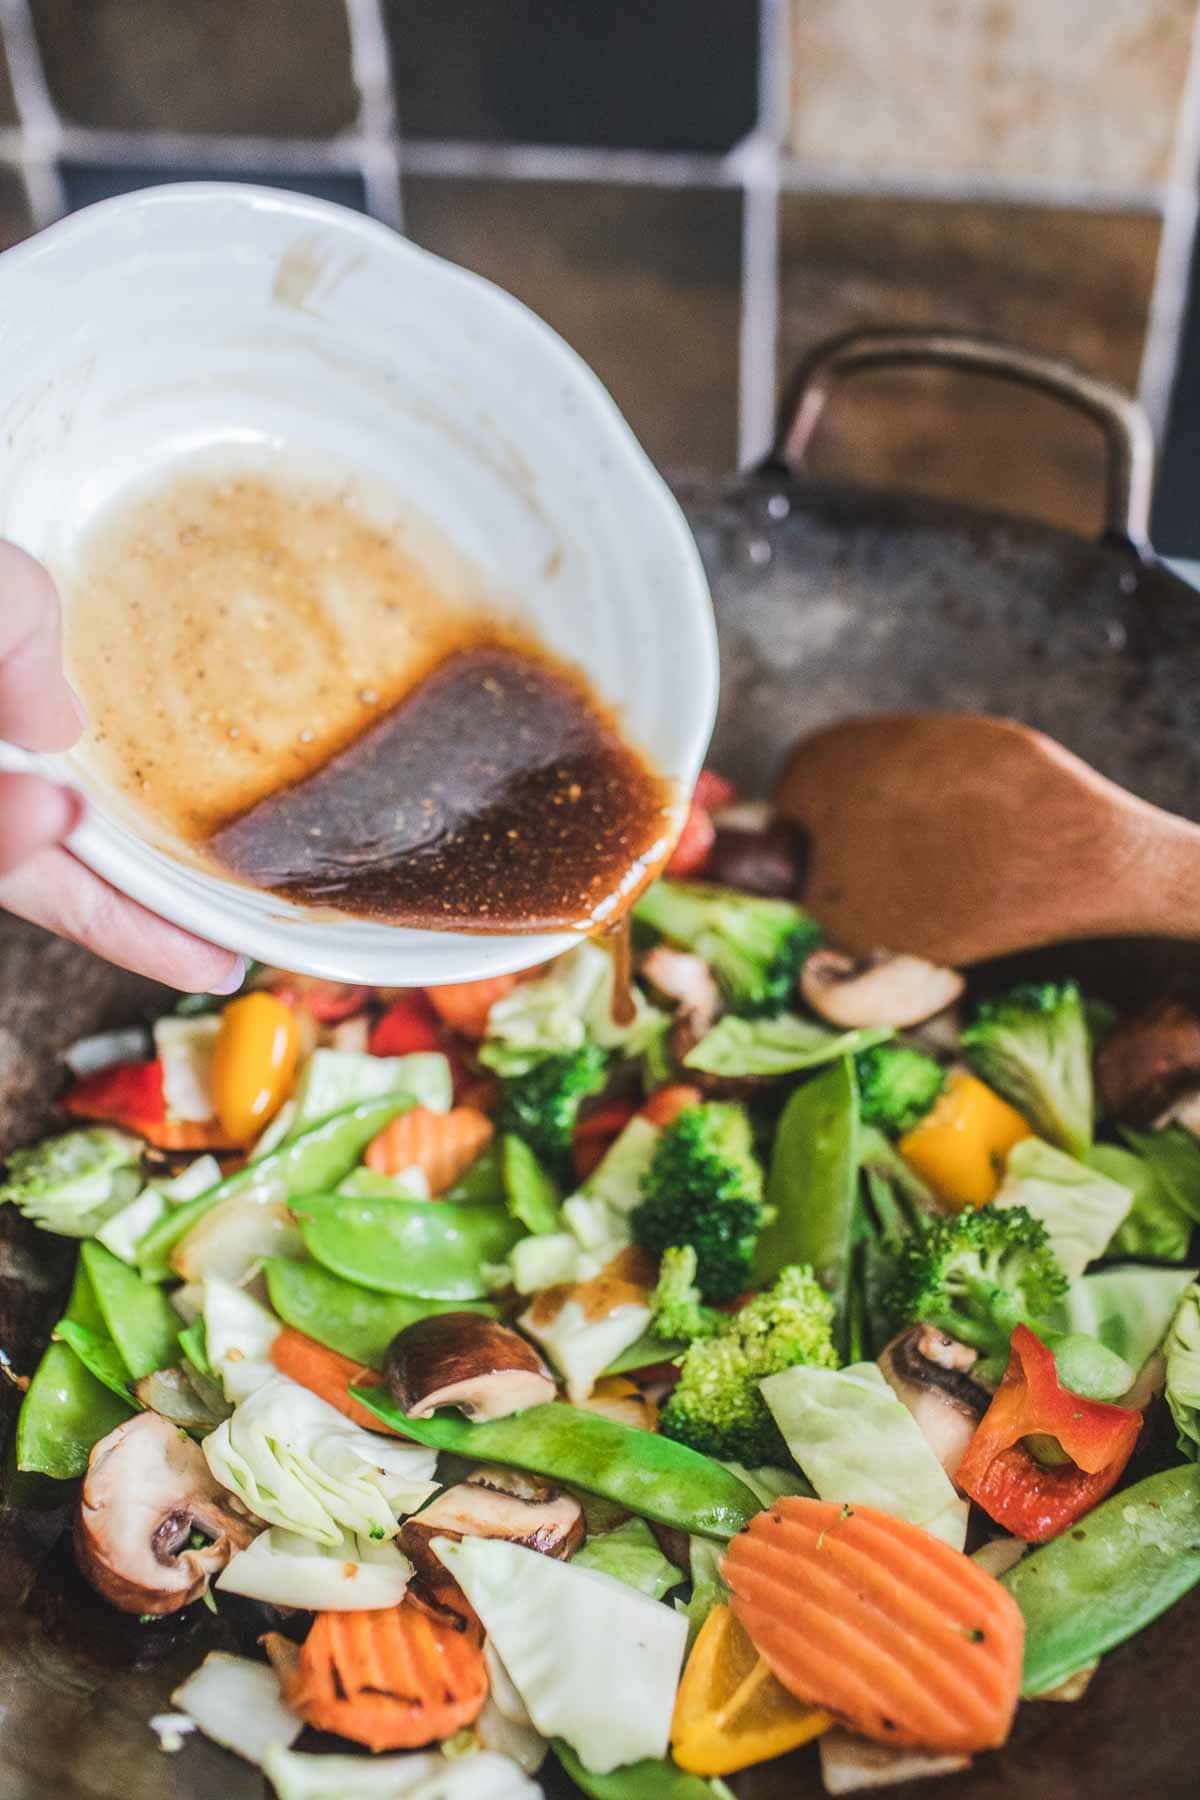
(1127, 435)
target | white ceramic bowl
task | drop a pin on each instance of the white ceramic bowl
(181, 320)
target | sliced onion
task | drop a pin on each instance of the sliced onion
(237, 1704)
(236, 1237)
(185, 1048)
(999, 1555)
(520, 1743)
(849, 1764)
(173, 1394)
(350, 1034)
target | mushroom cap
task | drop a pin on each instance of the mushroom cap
(930, 1373)
(496, 1503)
(466, 1360)
(146, 1491)
(882, 989)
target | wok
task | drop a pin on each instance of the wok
(830, 601)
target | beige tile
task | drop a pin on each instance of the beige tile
(643, 282)
(1076, 90)
(1075, 283)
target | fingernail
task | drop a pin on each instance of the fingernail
(233, 980)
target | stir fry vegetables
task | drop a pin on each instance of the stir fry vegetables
(623, 1383)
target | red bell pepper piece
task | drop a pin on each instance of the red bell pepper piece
(1034, 1500)
(693, 847)
(595, 1135)
(329, 1002)
(408, 1025)
(131, 1095)
(713, 791)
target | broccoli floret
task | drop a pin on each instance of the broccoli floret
(755, 947)
(977, 1276)
(717, 1407)
(72, 1184)
(679, 1313)
(1034, 1047)
(542, 1104)
(705, 1188)
(897, 1085)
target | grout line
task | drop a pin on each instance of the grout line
(40, 125)
(799, 176)
(563, 162)
(379, 139)
(1169, 296)
(758, 159)
(184, 150)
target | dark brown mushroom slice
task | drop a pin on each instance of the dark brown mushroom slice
(496, 1503)
(465, 1360)
(147, 1495)
(1149, 1061)
(772, 861)
(931, 1374)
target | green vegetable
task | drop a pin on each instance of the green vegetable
(430, 1248)
(1125, 1562)
(649, 1474)
(99, 1356)
(1034, 1047)
(1182, 1351)
(897, 1085)
(306, 1165)
(1079, 1206)
(193, 1342)
(1128, 1309)
(66, 1410)
(857, 1443)
(332, 1081)
(717, 1406)
(373, 1184)
(647, 1780)
(679, 1313)
(138, 1317)
(755, 947)
(708, 1590)
(784, 1045)
(1155, 1227)
(542, 1103)
(704, 1188)
(71, 1184)
(533, 1195)
(813, 1188)
(1088, 1367)
(648, 1351)
(977, 1276)
(343, 1316)
(630, 1553)
(878, 1155)
(482, 1184)
(564, 1009)
(1174, 1155)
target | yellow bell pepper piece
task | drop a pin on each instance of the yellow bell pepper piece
(961, 1146)
(730, 1710)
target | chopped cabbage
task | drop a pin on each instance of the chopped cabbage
(297, 1462)
(596, 1663)
(334, 1079)
(237, 1703)
(1182, 1350)
(284, 1569)
(423, 1776)
(1080, 1207)
(72, 1184)
(857, 1442)
(580, 1346)
(185, 1048)
(630, 1553)
(239, 1332)
(568, 1006)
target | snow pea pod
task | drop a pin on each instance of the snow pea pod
(431, 1248)
(344, 1316)
(646, 1780)
(646, 1353)
(531, 1191)
(651, 1475)
(306, 1164)
(1123, 1564)
(813, 1186)
(99, 1356)
(66, 1410)
(138, 1317)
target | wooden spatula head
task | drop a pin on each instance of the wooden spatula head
(960, 837)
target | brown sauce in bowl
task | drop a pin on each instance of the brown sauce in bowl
(496, 796)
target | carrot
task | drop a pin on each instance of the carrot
(444, 1145)
(324, 1373)
(871, 1618)
(665, 1105)
(465, 1005)
(391, 1679)
(595, 1134)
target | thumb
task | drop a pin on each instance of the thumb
(33, 814)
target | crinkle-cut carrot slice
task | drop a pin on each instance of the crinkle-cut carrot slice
(874, 1620)
(393, 1679)
(465, 1005)
(444, 1145)
(328, 1374)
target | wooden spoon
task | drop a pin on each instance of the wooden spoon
(960, 838)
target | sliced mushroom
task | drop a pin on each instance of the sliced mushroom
(686, 981)
(930, 1372)
(147, 1493)
(496, 1503)
(880, 989)
(466, 1360)
(770, 859)
(1149, 1061)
